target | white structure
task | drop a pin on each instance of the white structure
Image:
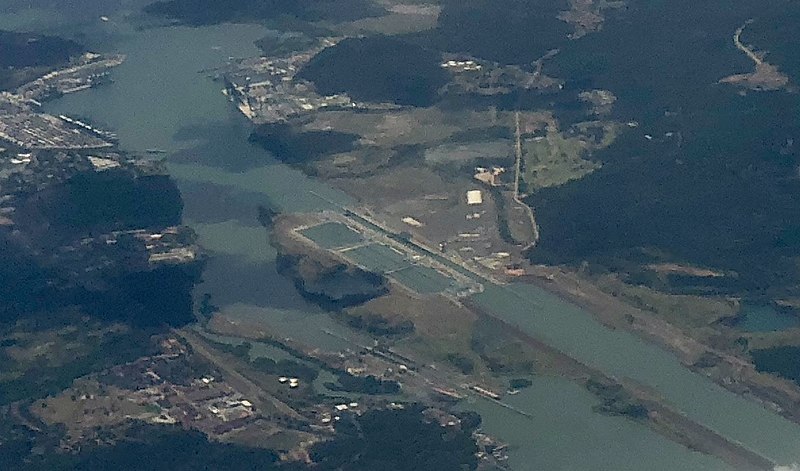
(411, 221)
(474, 197)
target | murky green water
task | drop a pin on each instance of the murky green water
(333, 235)
(619, 353)
(562, 424)
(762, 318)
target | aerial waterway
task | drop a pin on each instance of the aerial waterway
(159, 100)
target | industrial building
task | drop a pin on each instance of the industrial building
(474, 197)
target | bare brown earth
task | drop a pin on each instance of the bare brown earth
(440, 206)
(765, 77)
(674, 268)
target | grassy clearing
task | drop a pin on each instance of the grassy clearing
(36, 363)
(417, 126)
(552, 157)
(683, 311)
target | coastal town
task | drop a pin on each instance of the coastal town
(267, 91)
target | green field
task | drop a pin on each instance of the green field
(560, 157)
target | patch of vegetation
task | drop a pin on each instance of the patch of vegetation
(464, 363)
(505, 31)
(378, 325)
(378, 69)
(708, 360)
(266, 215)
(615, 400)
(782, 361)
(334, 287)
(397, 440)
(151, 299)
(301, 148)
(18, 441)
(556, 160)
(46, 362)
(520, 383)
(23, 56)
(503, 356)
(240, 350)
(112, 200)
(167, 448)
(502, 216)
(283, 367)
(207, 308)
(490, 133)
(34, 50)
(507, 354)
(364, 385)
(286, 44)
(24, 287)
(685, 311)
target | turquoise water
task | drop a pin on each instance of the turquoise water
(332, 235)
(423, 280)
(378, 257)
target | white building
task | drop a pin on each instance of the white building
(474, 197)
